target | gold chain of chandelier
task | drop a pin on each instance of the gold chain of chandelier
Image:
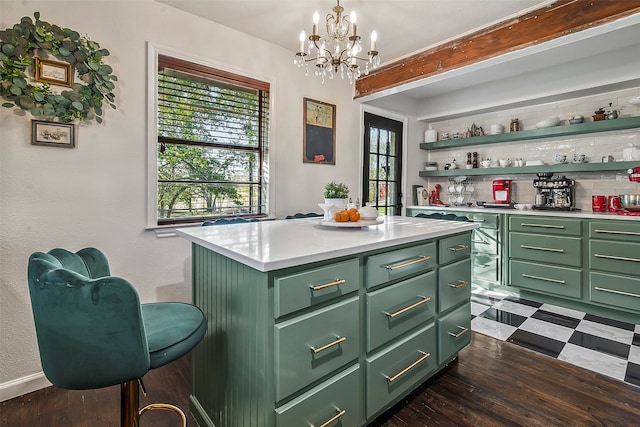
(340, 52)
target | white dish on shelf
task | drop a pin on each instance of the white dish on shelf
(548, 122)
(635, 100)
(352, 224)
(535, 163)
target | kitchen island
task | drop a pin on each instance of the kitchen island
(317, 325)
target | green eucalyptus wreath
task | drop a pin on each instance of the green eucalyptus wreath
(18, 47)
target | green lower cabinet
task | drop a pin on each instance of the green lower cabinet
(485, 267)
(549, 279)
(615, 290)
(454, 248)
(617, 257)
(394, 370)
(313, 345)
(336, 402)
(394, 265)
(454, 284)
(454, 332)
(548, 249)
(398, 308)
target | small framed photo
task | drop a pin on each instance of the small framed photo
(53, 134)
(54, 72)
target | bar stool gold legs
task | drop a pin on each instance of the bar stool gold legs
(130, 403)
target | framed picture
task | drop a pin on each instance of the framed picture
(319, 139)
(56, 73)
(53, 134)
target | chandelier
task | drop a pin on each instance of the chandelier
(340, 52)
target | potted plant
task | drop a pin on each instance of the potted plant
(336, 193)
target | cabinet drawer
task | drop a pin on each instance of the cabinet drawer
(615, 230)
(615, 290)
(454, 284)
(485, 267)
(541, 248)
(337, 399)
(315, 344)
(617, 257)
(454, 248)
(396, 309)
(485, 241)
(400, 263)
(485, 220)
(399, 368)
(544, 278)
(555, 226)
(310, 287)
(454, 332)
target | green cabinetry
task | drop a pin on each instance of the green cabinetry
(335, 342)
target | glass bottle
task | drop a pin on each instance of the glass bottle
(514, 126)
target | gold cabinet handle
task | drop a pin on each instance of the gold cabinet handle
(524, 224)
(328, 285)
(546, 279)
(480, 242)
(340, 412)
(409, 307)
(613, 291)
(462, 331)
(538, 248)
(477, 220)
(619, 258)
(460, 284)
(326, 346)
(628, 233)
(459, 248)
(413, 364)
(408, 263)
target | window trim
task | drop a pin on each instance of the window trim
(153, 52)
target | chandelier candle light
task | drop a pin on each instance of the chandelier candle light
(340, 51)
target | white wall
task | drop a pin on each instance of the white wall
(95, 194)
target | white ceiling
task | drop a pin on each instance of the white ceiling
(403, 26)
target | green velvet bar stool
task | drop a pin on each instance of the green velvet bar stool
(93, 332)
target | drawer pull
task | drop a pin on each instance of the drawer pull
(524, 224)
(413, 364)
(480, 242)
(546, 279)
(620, 258)
(462, 331)
(340, 412)
(459, 248)
(538, 248)
(408, 263)
(327, 285)
(613, 291)
(326, 346)
(409, 307)
(477, 220)
(628, 233)
(460, 284)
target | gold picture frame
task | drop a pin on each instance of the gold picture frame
(53, 134)
(53, 72)
(319, 139)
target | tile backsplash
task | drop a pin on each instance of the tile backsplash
(594, 146)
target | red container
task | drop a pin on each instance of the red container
(613, 203)
(598, 203)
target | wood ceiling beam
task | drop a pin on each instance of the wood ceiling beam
(555, 20)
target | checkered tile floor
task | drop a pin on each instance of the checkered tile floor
(606, 346)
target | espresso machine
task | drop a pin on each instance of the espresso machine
(554, 193)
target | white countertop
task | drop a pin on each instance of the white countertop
(562, 214)
(271, 245)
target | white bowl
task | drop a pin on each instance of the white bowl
(635, 100)
(518, 206)
(548, 122)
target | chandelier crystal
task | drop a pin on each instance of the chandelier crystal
(340, 52)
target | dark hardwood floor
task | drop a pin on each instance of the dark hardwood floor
(492, 383)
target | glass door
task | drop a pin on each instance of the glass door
(382, 172)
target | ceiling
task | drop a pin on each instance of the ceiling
(599, 59)
(403, 26)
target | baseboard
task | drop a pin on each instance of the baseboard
(24, 385)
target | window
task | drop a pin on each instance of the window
(212, 146)
(382, 171)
